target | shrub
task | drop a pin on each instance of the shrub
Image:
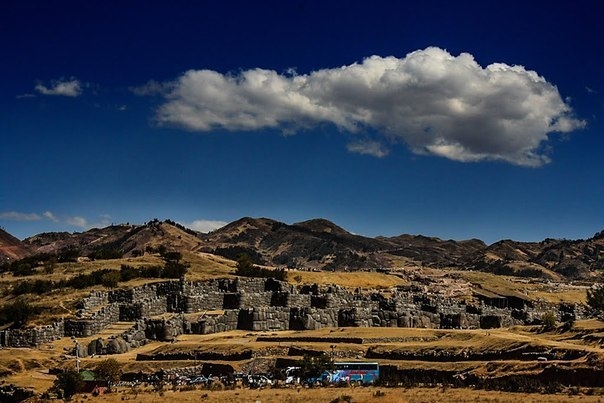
(104, 254)
(595, 298)
(548, 321)
(110, 279)
(109, 369)
(246, 268)
(68, 383)
(174, 269)
(19, 312)
(68, 255)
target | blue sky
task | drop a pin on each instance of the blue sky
(450, 119)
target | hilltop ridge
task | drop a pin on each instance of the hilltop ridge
(321, 244)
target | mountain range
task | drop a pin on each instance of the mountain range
(321, 244)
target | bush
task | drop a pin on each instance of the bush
(548, 321)
(172, 256)
(19, 312)
(246, 268)
(109, 369)
(26, 266)
(68, 383)
(595, 298)
(174, 269)
(68, 255)
(105, 254)
(110, 279)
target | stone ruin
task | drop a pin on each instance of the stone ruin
(164, 310)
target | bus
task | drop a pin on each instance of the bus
(355, 372)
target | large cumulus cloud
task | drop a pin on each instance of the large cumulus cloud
(434, 102)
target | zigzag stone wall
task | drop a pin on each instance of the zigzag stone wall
(268, 305)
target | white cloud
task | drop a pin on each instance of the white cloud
(68, 88)
(151, 88)
(368, 147)
(17, 216)
(50, 216)
(205, 225)
(74, 221)
(79, 222)
(84, 224)
(435, 102)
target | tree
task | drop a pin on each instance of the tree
(68, 383)
(244, 263)
(174, 269)
(109, 369)
(110, 279)
(314, 366)
(548, 321)
(19, 312)
(49, 265)
(595, 298)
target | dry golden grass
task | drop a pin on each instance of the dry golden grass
(29, 367)
(351, 280)
(510, 286)
(354, 395)
(205, 266)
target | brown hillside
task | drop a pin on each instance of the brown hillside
(11, 248)
(321, 244)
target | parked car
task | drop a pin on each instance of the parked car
(258, 381)
(199, 380)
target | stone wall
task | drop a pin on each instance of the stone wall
(255, 299)
(94, 323)
(264, 319)
(216, 323)
(164, 329)
(94, 300)
(203, 302)
(32, 337)
(259, 304)
(144, 308)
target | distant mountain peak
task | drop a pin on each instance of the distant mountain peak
(322, 225)
(319, 243)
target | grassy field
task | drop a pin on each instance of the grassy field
(355, 395)
(29, 367)
(513, 286)
(351, 280)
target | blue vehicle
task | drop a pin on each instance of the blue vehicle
(355, 372)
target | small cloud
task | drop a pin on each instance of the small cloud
(67, 88)
(590, 90)
(368, 147)
(24, 96)
(17, 216)
(79, 222)
(122, 107)
(50, 216)
(151, 88)
(205, 225)
(84, 224)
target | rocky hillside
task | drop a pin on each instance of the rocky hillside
(576, 259)
(11, 248)
(321, 244)
(126, 238)
(315, 243)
